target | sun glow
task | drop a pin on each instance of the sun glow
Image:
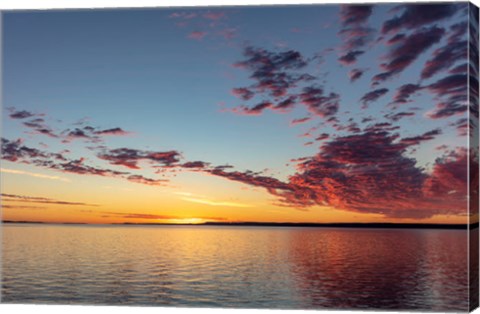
(186, 221)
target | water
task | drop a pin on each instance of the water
(244, 267)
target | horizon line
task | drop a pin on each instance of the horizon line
(392, 225)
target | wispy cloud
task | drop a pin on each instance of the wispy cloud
(40, 200)
(21, 206)
(214, 203)
(161, 218)
(33, 174)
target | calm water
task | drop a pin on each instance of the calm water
(235, 267)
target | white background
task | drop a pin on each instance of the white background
(46, 4)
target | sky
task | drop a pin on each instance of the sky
(323, 113)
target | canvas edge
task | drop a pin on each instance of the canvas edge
(473, 170)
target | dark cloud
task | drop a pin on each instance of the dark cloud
(275, 74)
(396, 39)
(447, 109)
(459, 69)
(195, 164)
(113, 131)
(355, 74)
(356, 38)
(462, 126)
(373, 96)
(39, 126)
(322, 137)
(404, 92)
(243, 93)
(22, 114)
(351, 127)
(130, 158)
(406, 51)
(286, 104)
(91, 134)
(399, 115)
(15, 151)
(354, 31)
(350, 57)
(415, 16)
(35, 123)
(415, 140)
(79, 167)
(452, 90)
(86, 133)
(355, 14)
(381, 127)
(452, 84)
(47, 132)
(300, 120)
(319, 103)
(444, 58)
(253, 111)
(263, 61)
(458, 32)
(272, 71)
(367, 119)
(77, 133)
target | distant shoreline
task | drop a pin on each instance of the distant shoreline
(280, 224)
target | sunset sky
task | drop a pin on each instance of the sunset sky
(319, 113)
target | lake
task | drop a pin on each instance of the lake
(241, 267)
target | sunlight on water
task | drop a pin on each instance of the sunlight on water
(245, 267)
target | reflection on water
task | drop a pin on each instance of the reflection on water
(236, 267)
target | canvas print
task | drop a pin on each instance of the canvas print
(279, 157)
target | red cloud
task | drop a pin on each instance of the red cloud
(369, 173)
(197, 35)
(113, 131)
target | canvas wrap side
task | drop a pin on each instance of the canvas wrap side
(473, 160)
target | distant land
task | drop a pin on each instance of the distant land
(281, 224)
